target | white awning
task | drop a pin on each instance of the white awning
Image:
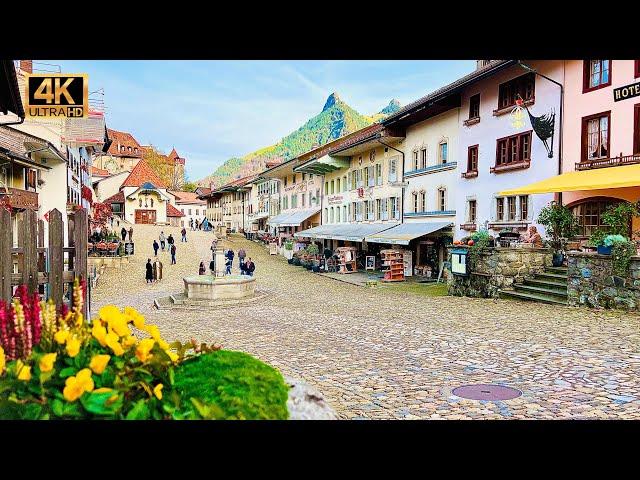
(351, 232)
(297, 217)
(404, 233)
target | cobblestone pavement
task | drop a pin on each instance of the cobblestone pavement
(387, 355)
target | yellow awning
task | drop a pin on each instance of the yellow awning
(597, 179)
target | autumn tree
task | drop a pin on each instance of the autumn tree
(170, 173)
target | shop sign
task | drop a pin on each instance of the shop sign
(629, 91)
(335, 199)
(370, 262)
(128, 248)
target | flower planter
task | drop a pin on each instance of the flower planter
(604, 250)
(557, 260)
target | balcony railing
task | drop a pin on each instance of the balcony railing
(20, 199)
(609, 162)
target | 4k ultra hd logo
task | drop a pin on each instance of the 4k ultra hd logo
(57, 95)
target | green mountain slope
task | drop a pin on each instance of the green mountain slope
(336, 119)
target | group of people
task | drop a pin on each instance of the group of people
(123, 232)
(195, 225)
(165, 241)
(153, 271)
(246, 267)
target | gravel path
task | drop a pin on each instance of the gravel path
(376, 354)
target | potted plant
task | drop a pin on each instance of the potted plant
(288, 249)
(560, 226)
(605, 246)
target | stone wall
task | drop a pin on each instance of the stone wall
(498, 268)
(593, 283)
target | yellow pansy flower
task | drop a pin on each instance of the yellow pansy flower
(24, 371)
(47, 361)
(99, 363)
(112, 342)
(76, 385)
(119, 325)
(109, 312)
(143, 349)
(2, 360)
(73, 346)
(99, 333)
(162, 344)
(61, 336)
(153, 331)
(173, 356)
(129, 341)
(157, 391)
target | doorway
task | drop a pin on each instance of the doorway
(146, 216)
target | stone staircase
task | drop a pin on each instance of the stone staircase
(547, 287)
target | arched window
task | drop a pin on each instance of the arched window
(331, 214)
(589, 214)
(423, 157)
(423, 201)
(443, 152)
(442, 199)
(152, 203)
(140, 202)
(414, 198)
(416, 160)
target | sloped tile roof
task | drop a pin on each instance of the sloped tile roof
(142, 173)
(99, 172)
(187, 197)
(173, 211)
(117, 198)
(124, 139)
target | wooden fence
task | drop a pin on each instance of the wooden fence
(38, 264)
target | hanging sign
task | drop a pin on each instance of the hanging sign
(629, 91)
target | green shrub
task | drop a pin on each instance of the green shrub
(233, 385)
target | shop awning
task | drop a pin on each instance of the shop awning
(351, 232)
(597, 179)
(404, 233)
(278, 218)
(296, 218)
(258, 216)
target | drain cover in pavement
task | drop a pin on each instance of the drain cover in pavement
(486, 392)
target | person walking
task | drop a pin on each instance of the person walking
(155, 272)
(162, 240)
(202, 270)
(230, 256)
(149, 271)
(214, 245)
(228, 264)
(212, 267)
(241, 255)
(191, 224)
(123, 232)
(195, 224)
(184, 234)
(155, 248)
(173, 254)
(170, 241)
(249, 267)
(131, 234)
(157, 267)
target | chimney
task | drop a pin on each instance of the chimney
(26, 66)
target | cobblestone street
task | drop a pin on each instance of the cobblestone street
(380, 354)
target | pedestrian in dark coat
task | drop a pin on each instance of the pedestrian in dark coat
(149, 272)
(212, 267)
(173, 254)
(170, 240)
(131, 234)
(249, 267)
(123, 232)
(202, 270)
(155, 248)
(184, 234)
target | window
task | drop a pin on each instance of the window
(378, 211)
(414, 201)
(294, 200)
(344, 184)
(511, 208)
(317, 197)
(442, 199)
(524, 207)
(393, 169)
(416, 165)
(303, 197)
(378, 174)
(331, 215)
(338, 214)
(499, 209)
(344, 214)
(189, 211)
(508, 92)
(293, 178)
(423, 157)
(474, 106)
(443, 153)
(140, 202)
(597, 74)
(589, 215)
(304, 176)
(595, 136)
(395, 208)
(371, 176)
(423, 201)
(333, 187)
(326, 215)
(285, 180)
(358, 206)
(326, 188)
(338, 185)
(472, 211)
(472, 159)
(384, 209)
(516, 148)
(359, 182)
(371, 214)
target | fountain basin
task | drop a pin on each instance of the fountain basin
(209, 287)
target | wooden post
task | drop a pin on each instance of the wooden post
(56, 256)
(30, 249)
(6, 260)
(42, 263)
(80, 239)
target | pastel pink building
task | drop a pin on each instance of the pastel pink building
(599, 132)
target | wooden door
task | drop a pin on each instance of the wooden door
(146, 216)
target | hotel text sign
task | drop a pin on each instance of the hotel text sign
(624, 93)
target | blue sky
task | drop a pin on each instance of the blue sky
(213, 110)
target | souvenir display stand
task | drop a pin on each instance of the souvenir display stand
(393, 262)
(346, 259)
